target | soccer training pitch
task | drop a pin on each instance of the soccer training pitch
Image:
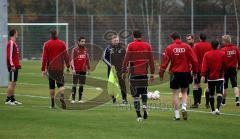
(34, 119)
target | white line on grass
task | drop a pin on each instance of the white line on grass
(107, 104)
(69, 86)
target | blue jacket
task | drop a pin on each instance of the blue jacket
(107, 56)
(114, 56)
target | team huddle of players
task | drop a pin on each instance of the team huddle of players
(189, 62)
(212, 63)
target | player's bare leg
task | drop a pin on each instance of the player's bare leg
(61, 92)
(184, 103)
(10, 93)
(175, 97)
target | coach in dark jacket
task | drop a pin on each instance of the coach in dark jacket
(113, 56)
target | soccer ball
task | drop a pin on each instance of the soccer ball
(149, 95)
(156, 94)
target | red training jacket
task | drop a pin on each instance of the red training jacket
(80, 59)
(232, 56)
(200, 49)
(213, 64)
(13, 55)
(182, 57)
(54, 55)
(138, 57)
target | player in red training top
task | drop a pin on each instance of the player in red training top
(80, 64)
(13, 67)
(233, 60)
(213, 66)
(53, 58)
(138, 59)
(200, 49)
(183, 60)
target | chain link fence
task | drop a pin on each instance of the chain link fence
(98, 29)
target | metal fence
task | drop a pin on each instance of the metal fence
(96, 29)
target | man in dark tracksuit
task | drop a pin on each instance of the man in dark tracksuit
(113, 56)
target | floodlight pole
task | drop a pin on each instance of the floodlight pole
(3, 42)
(22, 45)
(57, 13)
(192, 16)
(236, 14)
(74, 19)
(125, 20)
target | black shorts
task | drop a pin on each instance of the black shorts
(79, 78)
(190, 79)
(231, 74)
(138, 85)
(198, 79)
(55, 77)
(13, 75)
(217, 86)
(180, 80)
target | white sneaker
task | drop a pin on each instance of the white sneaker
(144, 106)
(213, 112)
(17, 102)
(217, 112)
(81, 101)
(10, 103)
(73, 101)
(177, 114)
(139, 119)
(184, 108)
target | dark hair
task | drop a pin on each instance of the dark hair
(215, 44)
(203, 36)
(12, 32)
(190, 35)
(54, 34)
(137, 34)
(81, 38)
(175, 35)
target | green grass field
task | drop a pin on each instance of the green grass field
(34, 119)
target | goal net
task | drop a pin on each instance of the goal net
(31, 37)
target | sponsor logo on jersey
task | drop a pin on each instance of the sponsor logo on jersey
(232, 52)
(177, 51)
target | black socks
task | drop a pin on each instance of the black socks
(73, 92)
(80, 91)
(137, 107)
(211, 100)
(219, 101)
(52, 102)
(207, 96)
(199, 95)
